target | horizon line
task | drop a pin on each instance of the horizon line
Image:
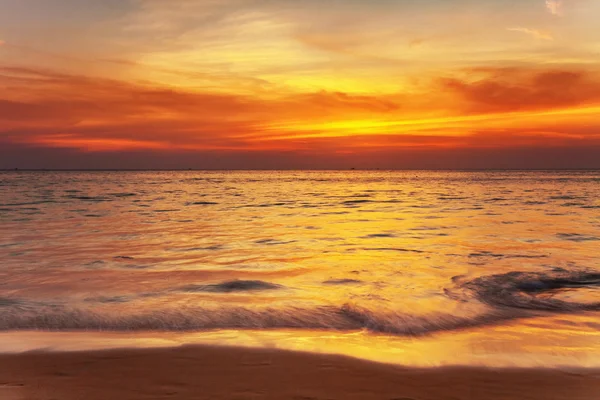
(290, 169)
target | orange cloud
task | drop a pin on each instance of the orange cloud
(514, 89)
(478, 108)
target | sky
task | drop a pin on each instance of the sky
(311, 84)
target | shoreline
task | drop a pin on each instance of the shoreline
(505, 346)
(213, 372)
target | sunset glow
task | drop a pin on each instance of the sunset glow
(290, 84)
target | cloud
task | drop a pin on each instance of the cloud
(555, 7)
(533, 32)
(355, 103)
(63, 110)
(2, 42)
(518, 89)
(513, 107)
(95, 114)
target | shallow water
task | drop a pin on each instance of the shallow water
(395, 255)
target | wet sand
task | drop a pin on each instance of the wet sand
(206, 372)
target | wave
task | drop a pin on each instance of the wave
(348, 317)
(342, 282)
(509, 296)
(576, 237)
(232, 286)
(522, 290)
(202, 203)
(6, 302)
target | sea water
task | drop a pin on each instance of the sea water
(504, 263)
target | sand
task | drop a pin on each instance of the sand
(204, 372)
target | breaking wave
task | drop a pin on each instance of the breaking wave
(347, 317)
(507, 296)
(528, 290)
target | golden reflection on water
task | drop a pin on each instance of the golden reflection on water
(381, 256)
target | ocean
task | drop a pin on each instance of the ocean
(412, 267)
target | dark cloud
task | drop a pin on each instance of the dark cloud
(525, 157)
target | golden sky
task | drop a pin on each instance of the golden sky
(299, 83)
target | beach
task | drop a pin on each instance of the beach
(212, 372)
